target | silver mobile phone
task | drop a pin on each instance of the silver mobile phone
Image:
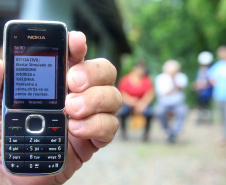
(34, 122)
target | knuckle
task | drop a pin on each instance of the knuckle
(102, 121)
(113, 71)
(105, 60)
(116, 124)
(107, 99)
(101, 100)
(107, 71)
(118, 97)
(108, 126)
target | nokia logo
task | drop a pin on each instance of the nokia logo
(35, 37)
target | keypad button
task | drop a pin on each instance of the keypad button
(53, 166)
(15, 166)
(14, 156)
(34, 148)
(34, 157)
(14, 139)
(34, 167)
(54, 139)
(54, 156)
(15, 128)
(34, 139)
(14, 148)
(55, 129)
(35, 123)
(54, 148)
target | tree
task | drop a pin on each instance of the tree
(173, 29)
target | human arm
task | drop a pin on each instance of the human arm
(144, 101)
(91, 104)
(129, 100)
(202, 84)
(179, 82)
(123, 87)
(173, 89)
(147, 97)
(213, 72)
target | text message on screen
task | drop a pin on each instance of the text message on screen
(34, 77)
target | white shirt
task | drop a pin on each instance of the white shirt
(164, 84)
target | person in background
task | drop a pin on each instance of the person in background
(171, 98)
(137, 94)
(203, 87)
(217, 76)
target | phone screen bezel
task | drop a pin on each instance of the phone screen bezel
(55, 36)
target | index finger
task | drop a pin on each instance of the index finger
(77, 47)
(95, 72)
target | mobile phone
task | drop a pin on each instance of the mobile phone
(34, 122)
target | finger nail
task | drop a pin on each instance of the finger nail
(77, 103)
(77, 125)
(79, 78)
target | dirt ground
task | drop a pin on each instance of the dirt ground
(197, 158)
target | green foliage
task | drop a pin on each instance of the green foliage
(159, 30)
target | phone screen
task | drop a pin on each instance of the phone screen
(35, 75)
(35, 67)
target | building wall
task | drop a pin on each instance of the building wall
(75, 13)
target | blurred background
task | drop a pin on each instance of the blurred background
(154, 31)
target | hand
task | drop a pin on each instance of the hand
(140, 107)
(201, 84)
(129, 100)
(142, 104)
(91, 104)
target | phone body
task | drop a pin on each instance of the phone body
(34, 122)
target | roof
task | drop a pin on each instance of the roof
(108, 14)
(105, 12)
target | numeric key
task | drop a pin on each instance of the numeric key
(35, 157)
(34, 148)
(54, 139)
(14, 156)
(54, 148)
(34, 139)
(34, 167)
(14, 148)
(14, 139)
(54, 156)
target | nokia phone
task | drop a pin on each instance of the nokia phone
(34, 122)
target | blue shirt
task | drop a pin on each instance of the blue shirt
(217, 72)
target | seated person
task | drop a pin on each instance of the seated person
(217, 77)
(203, 87)
(137, 94)
(171, 98)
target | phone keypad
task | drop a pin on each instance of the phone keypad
(26, 153)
